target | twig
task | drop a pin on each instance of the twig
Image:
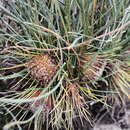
(78, 44)
(49, 31)
(105, 34)
(54, 34)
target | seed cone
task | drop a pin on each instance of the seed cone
(120, 77)
(73, 92)
(42, 68)
(93, 67)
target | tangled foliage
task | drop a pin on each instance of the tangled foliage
(59, 58)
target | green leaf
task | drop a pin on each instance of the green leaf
(15, 75)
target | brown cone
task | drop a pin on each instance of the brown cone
(42, 68)
(96, 67)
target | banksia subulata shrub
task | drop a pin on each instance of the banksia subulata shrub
(42, 68)
(60, 57)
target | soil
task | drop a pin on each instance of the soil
(117, 118)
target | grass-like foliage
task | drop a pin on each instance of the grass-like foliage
(58, 57)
